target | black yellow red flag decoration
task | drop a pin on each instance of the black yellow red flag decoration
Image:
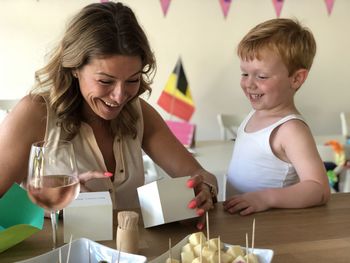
(176, 97)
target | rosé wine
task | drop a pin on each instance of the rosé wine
(53, 192)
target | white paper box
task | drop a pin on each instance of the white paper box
(90, 215)
(165, 201)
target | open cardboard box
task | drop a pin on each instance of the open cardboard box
(165, 201)
(90, 215)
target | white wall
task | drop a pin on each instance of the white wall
(196, 30)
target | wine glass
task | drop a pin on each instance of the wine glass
(52, 181)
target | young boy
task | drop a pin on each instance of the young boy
(275, 163)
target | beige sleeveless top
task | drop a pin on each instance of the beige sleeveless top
(129, 173)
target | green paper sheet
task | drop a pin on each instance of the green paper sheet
(19, 217)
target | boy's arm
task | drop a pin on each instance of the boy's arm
(294, 143)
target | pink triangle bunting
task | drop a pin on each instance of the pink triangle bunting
(225, 6)
(278, 4)
(104, 1)
(165, 5)
(329, 4)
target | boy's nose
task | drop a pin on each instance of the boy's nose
(250, 83)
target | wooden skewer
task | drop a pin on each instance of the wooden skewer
(170, 256)
(253, 235)
(59, 256)
(219, 249)
(200, 252)
(207, 222)
(70, 244)
(120, 245)
(246, 245)
(89, 253)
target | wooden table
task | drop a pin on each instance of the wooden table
(320, 234)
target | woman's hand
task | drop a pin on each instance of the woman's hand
(203, 200)
(84, 177)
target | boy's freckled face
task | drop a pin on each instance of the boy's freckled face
(265, 82)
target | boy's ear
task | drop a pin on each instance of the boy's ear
(298, 78)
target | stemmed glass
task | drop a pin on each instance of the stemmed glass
(52, 181)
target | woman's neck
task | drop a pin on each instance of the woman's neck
(91, 118)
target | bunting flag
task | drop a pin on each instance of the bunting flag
(225, 6)
(165, 5)
(176, 97)
(104, 1)
(278, 4)
(329, 4)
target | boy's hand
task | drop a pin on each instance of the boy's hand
(246, 203)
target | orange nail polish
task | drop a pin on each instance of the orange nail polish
(190, 183)
(107, 174)
(192, 204)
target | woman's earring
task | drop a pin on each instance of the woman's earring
(75, 75)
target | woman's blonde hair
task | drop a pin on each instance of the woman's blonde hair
(97, 31)
(294, 43)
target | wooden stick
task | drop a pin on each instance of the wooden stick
(170, 256)
(207, 222)
(200, 251)
(59, 256)
(219, 249)
(70, 244)
(253, 235)
(246, 246)
(89, 252)
(120, 245)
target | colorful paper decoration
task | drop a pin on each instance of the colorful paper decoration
(329, 4)
(183, 131)
(19, 217)
(104, 1)
(176, 97)
(225, 6)
(165, 5)
(278, 4)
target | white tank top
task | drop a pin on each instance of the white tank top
(254, 166)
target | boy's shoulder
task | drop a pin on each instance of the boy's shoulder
(295, 128)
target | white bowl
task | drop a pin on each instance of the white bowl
(264, 255)
(80, 251)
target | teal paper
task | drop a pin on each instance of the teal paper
(19, 217)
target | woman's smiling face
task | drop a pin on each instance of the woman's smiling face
(108, 84)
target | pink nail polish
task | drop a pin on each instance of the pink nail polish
(200, 226)
(107, 174)
(200, 212)
(192, 204)
(190, 183)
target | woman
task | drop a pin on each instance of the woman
(88, 93)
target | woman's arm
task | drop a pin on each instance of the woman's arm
(25, 124)
(165, 150)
